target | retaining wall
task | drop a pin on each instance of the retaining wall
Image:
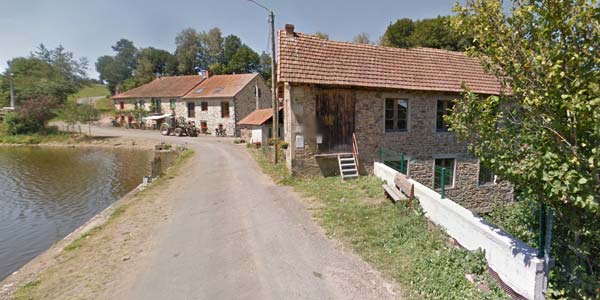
(514, 261)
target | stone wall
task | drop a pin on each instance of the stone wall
(247, 100)
(421, 143)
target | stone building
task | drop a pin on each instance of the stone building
(158, 96)
(211, 101)
(387, 98)
(257, 127)
(223, 100)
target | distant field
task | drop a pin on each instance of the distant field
(94, 90)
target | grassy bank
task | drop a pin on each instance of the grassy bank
(91, 266)
(396, 239)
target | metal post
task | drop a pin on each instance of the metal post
(402, 163)
(12, 90)
(443, 186)
(542, 240)
(274, 87)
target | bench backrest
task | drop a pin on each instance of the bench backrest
(405, 186)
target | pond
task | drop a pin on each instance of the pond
(46, 193)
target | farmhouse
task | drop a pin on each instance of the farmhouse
(217, 101)
(384, 104)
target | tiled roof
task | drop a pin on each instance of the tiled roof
(171, 86)
(258, 117)
(308, 59)
(221, 86)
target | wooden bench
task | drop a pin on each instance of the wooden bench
(401, 190)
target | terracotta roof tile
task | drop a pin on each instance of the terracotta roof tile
(309, 59)
(221, 86)
(163, 87)
(258, 117)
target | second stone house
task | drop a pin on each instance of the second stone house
(220, 101)
(382, 104)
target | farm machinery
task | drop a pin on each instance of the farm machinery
(178, 127)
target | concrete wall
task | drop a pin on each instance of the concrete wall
(421, 142)
(514, 261)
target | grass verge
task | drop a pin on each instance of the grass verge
(395, 239)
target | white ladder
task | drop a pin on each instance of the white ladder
(347, 163)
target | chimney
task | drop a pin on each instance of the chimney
(206, 74)
(289, 30)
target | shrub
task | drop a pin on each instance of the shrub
(31, 116)
(284, 145)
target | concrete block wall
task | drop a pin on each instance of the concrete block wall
(514, 261)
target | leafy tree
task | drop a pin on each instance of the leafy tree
(245, 60)
(151, 62)
(70, 115)
(432, 33)
(543, 136)
(31, 115)
(398, 34)
(188, 51)
(362, 38)
(212, 46)
(63, 61)
(322, 35)
(231, 45)
(88, 114)
(116, 69)
(264, 67)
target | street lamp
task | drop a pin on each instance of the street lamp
(275, 103)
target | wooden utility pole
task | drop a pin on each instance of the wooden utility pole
(275, 102)
(274, 89)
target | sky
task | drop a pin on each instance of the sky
(89, 28)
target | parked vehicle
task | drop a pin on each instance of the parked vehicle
(178, 127)
(220, 131)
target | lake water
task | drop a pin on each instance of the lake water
(46, 193)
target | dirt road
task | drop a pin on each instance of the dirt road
(234, 234)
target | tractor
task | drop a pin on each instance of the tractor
(178, 127)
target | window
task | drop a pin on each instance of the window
(258, 92)
(224, 109)
(443, 109)
(448, 164)
(122, 105)
(218, 90)
(191, 109)
(204, 105)
(396, 115)
(156, 105)
(486, 176)
(172, 104)
(142, 104)
(198, 91)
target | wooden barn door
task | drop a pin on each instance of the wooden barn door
(335, 120)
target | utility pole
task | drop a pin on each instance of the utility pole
(275, 102)
(12, 90)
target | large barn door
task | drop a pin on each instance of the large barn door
(335, 120)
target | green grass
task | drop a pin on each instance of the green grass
(395, 239)
(93, 90)
(36, 138)
(24, 293)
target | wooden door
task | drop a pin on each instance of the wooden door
(335, 119)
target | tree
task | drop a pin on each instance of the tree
(70, 115)
(211, 47)
(543, 135)
(116, 69)
(264, 67)
(432, 33)
(88, 114)
(398, 34)
(245, 60)
(151, 62)
(322, 35)
(231, 45)
(31, 115)
(362, 38)
(188, 43)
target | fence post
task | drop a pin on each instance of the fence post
(443, 183)
(402, 163)
(542, 240)
(379, 154)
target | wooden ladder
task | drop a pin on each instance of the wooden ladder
(348, 167)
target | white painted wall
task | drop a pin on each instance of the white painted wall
(514, 261)
(256, 135)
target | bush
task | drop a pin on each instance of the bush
(575, 247)
(31, 116)
(284, 145)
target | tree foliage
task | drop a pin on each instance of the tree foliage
(54, 73)
(362, 38)
(31, 116)
(322, 35)
(114, 70)
(543, 134)
(432, 33)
